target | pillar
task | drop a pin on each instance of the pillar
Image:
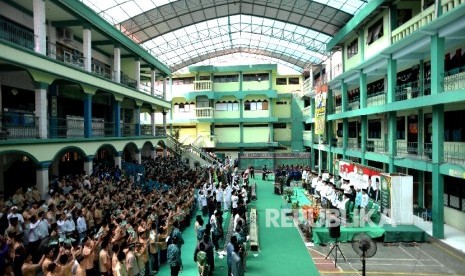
(53, 123)
(241, 79)
(421, 189)
(364, 137)
(152, 124)
(241, 132)
(344, 96)
(153, 153)
(117, 64)
(41, 108)
(87, 115)
(421, 126)
(137, 73)
(391, 80)
(153, 78)
(138, 157)
(40, 28)
(392, 140)
(437, 177)
(270, 80)
(137, 121)
(42, 178)
(118, 161)
(164, 87)
(437, 64)
(52, 40)
(87, 48)
(88, 165)
(164, 122)
(345, 136)
(116, 117)
(363, 90)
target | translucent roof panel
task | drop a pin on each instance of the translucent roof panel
(184, 32)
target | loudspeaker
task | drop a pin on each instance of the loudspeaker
(335, 231)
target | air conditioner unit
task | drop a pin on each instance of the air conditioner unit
(64, 34)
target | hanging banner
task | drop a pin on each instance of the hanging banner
(320, 108)
(357, 174)
(385, 193)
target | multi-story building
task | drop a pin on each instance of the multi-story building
(72, 91)
(238, 109)
(398, 103)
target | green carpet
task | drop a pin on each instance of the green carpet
(282, 250)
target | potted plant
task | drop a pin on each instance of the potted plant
(287, 193)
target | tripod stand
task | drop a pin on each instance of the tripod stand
(336, 248)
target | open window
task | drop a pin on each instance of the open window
(375, 31)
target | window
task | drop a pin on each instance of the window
(256, 105)
(279, 125)
(375, 31)
(294, 80)
(256, 77)
(181, 81)
(352, 48)
(374, 129)
(226, 78)
(354, 128)
(281, 81)
(454, 193)
(227, 106)
(454, 123)
(184, 107)
(281, 103)
(203, 78)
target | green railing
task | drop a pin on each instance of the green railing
(378, 146)
(454, 79)
(16, 34)
(454, 153)
(376, 98)
(413, 24)
(17, 125)
(414, 150)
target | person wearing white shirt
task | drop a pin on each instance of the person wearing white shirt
(14, 214)
(365, 198)
(43, 229)
(81, 225)
(69, 225)
(33, 236)
(227, 198)
(219, 195)
(234, 201)
(315, 184)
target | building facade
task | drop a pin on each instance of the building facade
(398, 102)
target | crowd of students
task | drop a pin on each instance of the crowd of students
(106, 224)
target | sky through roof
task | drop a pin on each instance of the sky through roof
(185, 32)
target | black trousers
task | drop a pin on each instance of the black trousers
(175, 270)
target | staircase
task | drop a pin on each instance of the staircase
(191, 152)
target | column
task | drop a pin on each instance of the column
(392, 140)
(363, 90)
(421, 80)
(40, 28)
(330, 132)
(53, 123)
(117, 64)
(345, 136)
(437, 177)
(41, 108)
(153, 153)
(116, 117)
(164, 87)
(42, 179)
(138, 157)
(241, 108)
(364, 137)
(52, 41)
(137, 121)
(344, 96)
(241, 132)
(153, 79)
(87, 48)
(270, 80)
(118, 160)
(241, 79)
(437, 64)
(88, 165)
(152, 124)
(391, 80)
(164, 122)
(421, 189)
(87, 115)
(137, 73)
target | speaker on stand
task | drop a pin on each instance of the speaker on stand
(335, 233)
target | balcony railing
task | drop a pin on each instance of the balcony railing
(205, 85)
(353, 144)
(448, 5)
(17, 125)
(307, 111)
(307, 86)
(375, 99)
(128, 129)
(354, 103)
(414, 150)
(307, 135)
(16, 34)
(126, 80)
(454, 153)
(378, 146)
(204, 112)
(454, 79)
(413, 24)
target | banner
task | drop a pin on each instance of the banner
(385, 193)
(357, 174)
(320, 108)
